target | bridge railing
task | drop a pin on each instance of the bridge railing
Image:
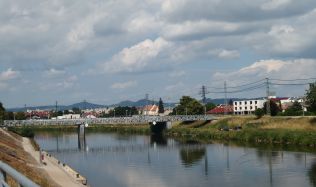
(18, 177)
(117, 120)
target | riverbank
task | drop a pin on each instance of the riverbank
(268, 130)
(19, 152)
(13, 153)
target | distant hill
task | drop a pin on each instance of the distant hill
(141, 102)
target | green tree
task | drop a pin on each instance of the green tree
(2, 113)
(122, 111)
(9, 116)
(160, 107)
(259, 113)
(294, 110)
(20, 116)
(76, 110)
(274, 108)
(188, 106)
(311, 97)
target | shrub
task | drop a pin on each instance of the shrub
(259, 113)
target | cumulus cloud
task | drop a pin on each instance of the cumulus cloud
(228, 54)
(275, 69)
(179, 73)
(6, 76)
(124, 85)
(137, 57)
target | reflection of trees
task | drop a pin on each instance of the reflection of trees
(190, 156)
(312, 174)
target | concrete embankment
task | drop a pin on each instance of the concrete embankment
(21, 155)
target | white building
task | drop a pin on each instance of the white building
(247, 106)
(151, 110)
(69, 116)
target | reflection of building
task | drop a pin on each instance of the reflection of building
(247, 106)
(150, 110)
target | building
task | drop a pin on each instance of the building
(69, 116)
(221, 109)
(247, 106)
(151, 110)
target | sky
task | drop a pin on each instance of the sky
(108, 51)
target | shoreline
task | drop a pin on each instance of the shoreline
(300, 131)
(51, 166)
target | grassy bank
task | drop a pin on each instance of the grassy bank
(288, 131)
(12, 153)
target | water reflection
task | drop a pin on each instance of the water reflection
(158, 139)
(312, 174)
(137, 160)
(190, 156)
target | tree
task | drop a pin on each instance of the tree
(20, 116)
(311, 97)
(9, 116)
(160, 107)
(274, 108)
(123, 111)
(2, 113)
(188, 106)
(294, 110)
(259, 112)
(76, 110)
(231, 102)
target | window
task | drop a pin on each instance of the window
(256, 102)
(235, 103)
(245, 108)
(251, 107)
(245, 102)
(235, 108)
(256, 107)
(240, 108)
(250, 102)
(240, 103)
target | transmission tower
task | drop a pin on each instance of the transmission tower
(268, 99)
(203, 93)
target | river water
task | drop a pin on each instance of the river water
(116, 160)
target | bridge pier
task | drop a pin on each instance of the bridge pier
(81, 136)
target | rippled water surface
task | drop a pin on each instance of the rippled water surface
(138, 160)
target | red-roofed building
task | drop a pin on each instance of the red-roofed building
(220, 109)
(151, 110)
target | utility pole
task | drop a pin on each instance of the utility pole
(225, 90)
(268, 99)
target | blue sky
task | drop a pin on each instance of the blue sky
(108, 51)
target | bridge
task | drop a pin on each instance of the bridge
(133, 120)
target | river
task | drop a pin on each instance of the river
(118, 160)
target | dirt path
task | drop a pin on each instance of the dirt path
(52, 168)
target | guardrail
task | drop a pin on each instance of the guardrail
(5, 170)
(118, 120)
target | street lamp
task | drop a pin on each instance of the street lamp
(186, 111)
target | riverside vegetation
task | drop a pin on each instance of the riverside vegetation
(268, 130)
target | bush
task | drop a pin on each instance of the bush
(259, 113)
(27, 132)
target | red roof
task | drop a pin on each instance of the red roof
(221, 110)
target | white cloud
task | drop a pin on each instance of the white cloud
(137, 57)
(8, 74)
(275, 69)
(275, 4)
(53, 72)
(228, 54)
(124, 85)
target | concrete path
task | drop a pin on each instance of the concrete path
(52, 168)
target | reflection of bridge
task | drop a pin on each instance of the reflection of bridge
(125, 148)
(117, 120)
